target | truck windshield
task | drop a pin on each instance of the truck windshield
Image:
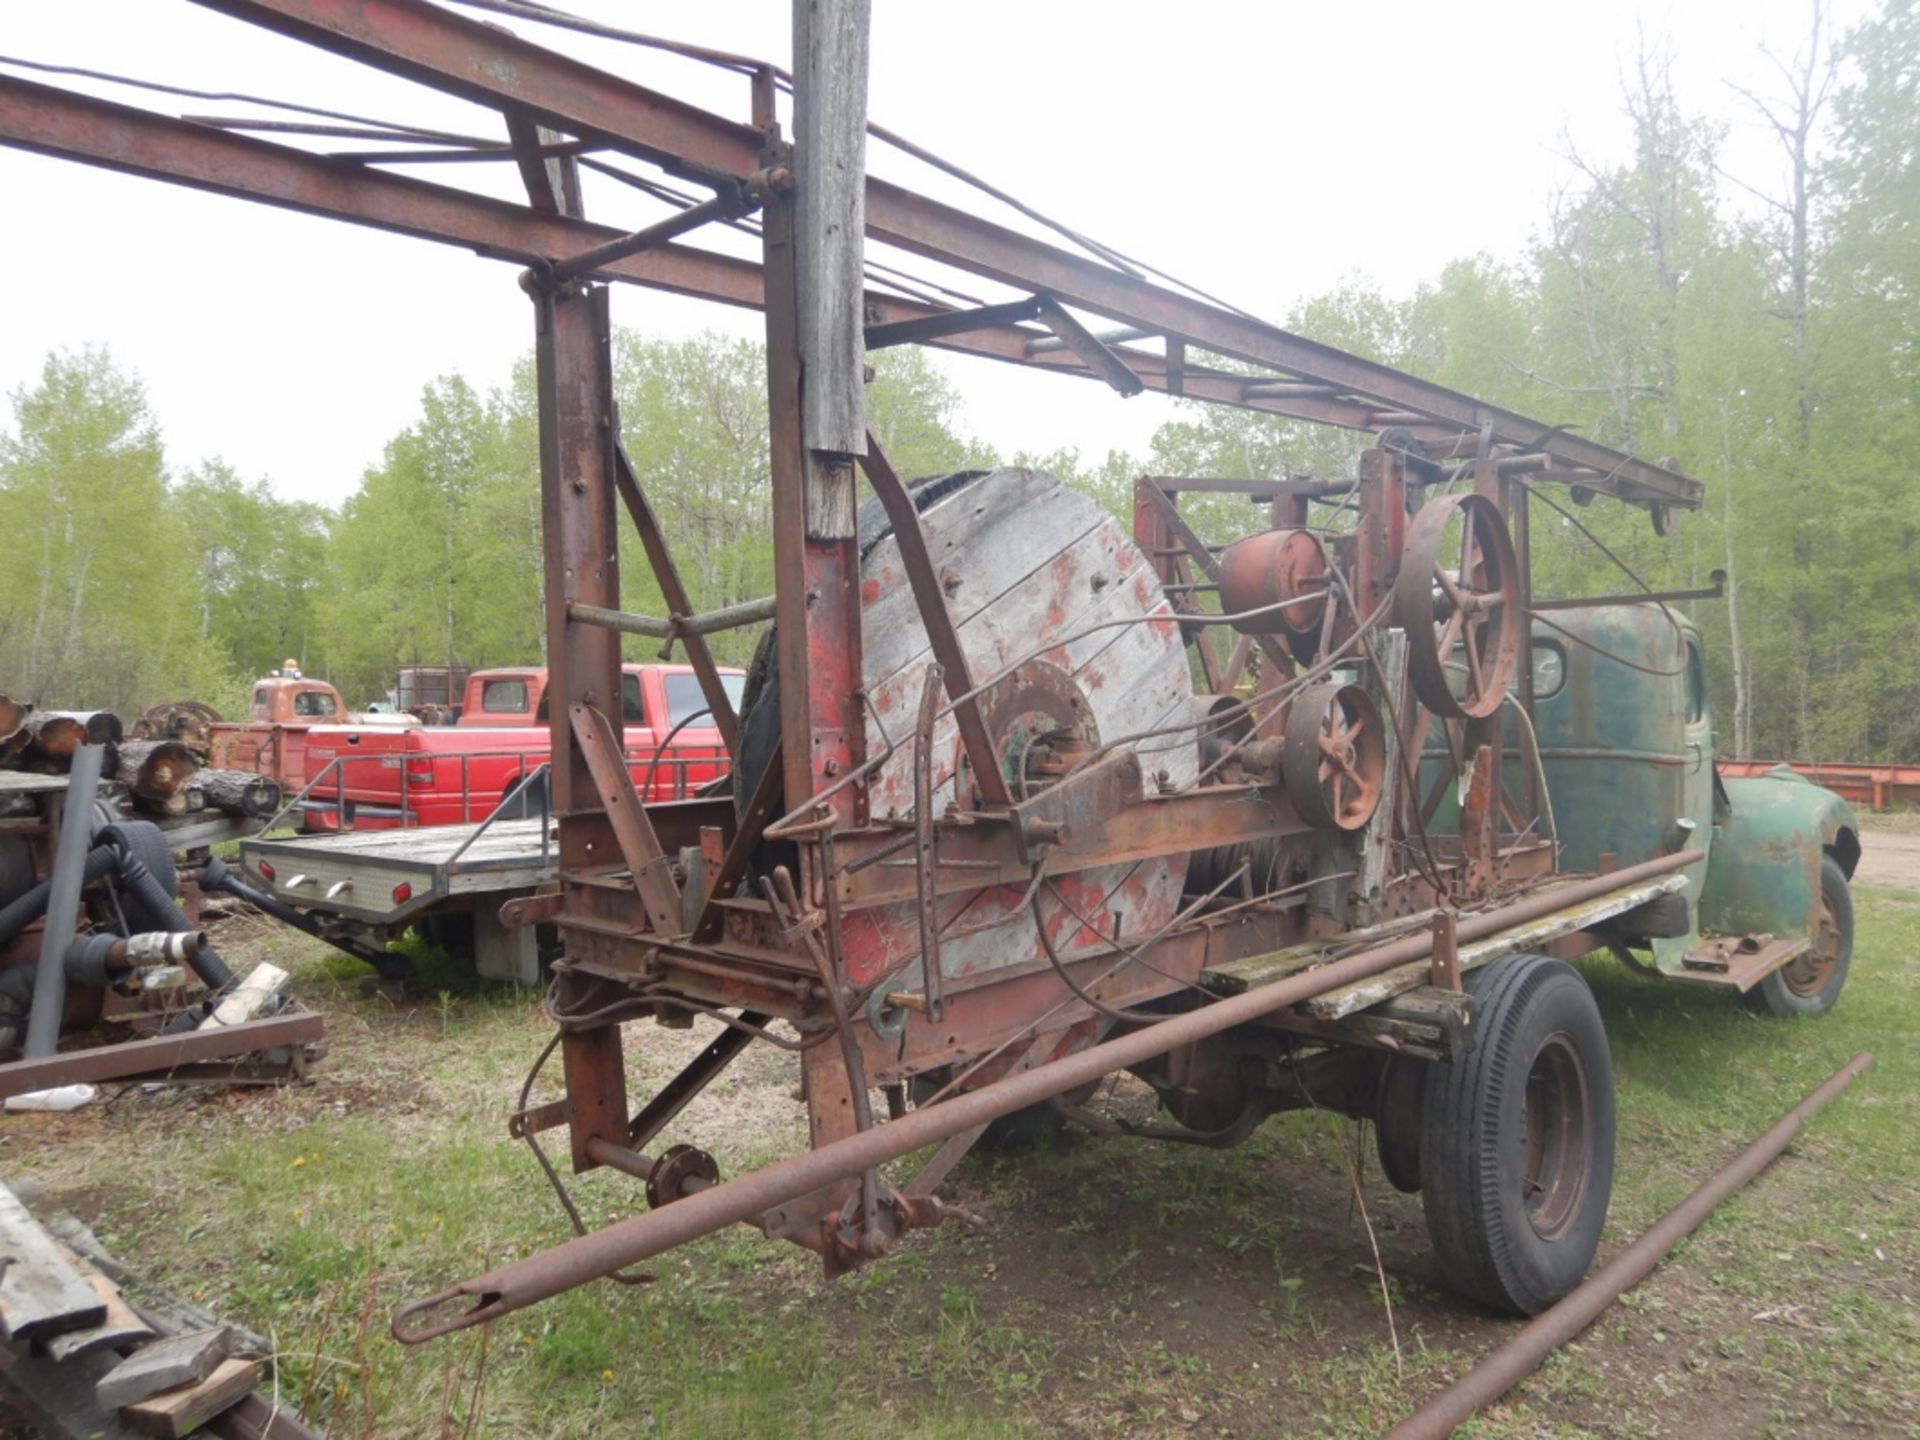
(313, 703)
(684, 697)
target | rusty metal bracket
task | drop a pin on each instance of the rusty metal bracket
(926, 841)
(952, 322)
(534, 1119)
(1091, 350)
(1443, 969)
(746, 841)
(904, 516)
(632, 831)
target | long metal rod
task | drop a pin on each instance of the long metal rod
(730, 203)
(1526, 1351)
(731, 617)
(544, 1275)
(63, 901)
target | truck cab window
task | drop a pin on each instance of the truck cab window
(313, 704)
(633, 710)
(1696, 682)
(684, 696)
(504, 697)
(261, 704)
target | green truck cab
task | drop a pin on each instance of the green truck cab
(1623, 721)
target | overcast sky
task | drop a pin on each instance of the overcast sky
(1263, 150)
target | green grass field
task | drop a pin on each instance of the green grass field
(1117, 1288)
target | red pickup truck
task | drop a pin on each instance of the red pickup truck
(410, 775)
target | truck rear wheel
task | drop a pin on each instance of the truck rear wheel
(1516, 1142)
(1810, 984)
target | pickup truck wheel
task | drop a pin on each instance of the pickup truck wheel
(1516, 1141)
(1810, 984)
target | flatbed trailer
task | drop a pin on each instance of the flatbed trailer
(449, 880)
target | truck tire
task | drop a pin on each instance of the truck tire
(1810, 985)
(1516, 1141)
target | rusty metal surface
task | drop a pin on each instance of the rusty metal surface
(537, 1277)
(154, 1057)
(990, 759)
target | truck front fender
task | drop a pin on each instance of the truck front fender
(1763, 871)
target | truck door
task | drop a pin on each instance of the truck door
(1696, 788)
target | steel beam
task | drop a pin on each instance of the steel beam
(157, 1056)
(65, 125)
(494, 67)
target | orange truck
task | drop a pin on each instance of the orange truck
(282, 712)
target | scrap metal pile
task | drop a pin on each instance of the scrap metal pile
(95, 933)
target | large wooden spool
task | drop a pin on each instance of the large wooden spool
(1028, 565)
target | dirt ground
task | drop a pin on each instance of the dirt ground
(1889, 857)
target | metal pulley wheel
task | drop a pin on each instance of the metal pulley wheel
(1277, 568)
(1334, 761)
(1465, 625)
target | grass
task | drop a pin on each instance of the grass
(1119, 1289)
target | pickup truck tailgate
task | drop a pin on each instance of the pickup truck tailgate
(384, 876)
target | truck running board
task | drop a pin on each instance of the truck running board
(1741, 961)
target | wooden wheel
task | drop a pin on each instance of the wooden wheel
(1464, 625)
(1334, 761)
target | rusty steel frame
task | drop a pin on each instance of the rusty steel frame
(1018, 1035)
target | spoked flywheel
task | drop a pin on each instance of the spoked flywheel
(1465, 626)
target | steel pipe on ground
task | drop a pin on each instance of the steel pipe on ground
(1547, 1332)
(544, 1275)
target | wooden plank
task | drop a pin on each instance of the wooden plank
(830, 183)
(244, 1002)
(166, 1364)
(41, 1294)
(1521, 938)
(179, 1412)
(122, 1326)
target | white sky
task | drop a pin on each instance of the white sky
(1264, 151)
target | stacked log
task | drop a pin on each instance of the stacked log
(159, 767)
(156, 773)
(235, 792)
(13, 729)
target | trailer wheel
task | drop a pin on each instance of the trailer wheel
(1810, 984)
(1516, 1139)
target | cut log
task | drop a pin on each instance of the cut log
(156, 770)
(245, 1002)
(54, 733)
(122, 1326)
(97, 727)
(179, 1412)
(14, 747)
(164, 1365)
(41, 1294)
(13, 715)
(237, 792)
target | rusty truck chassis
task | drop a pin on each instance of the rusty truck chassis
(669, 911)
